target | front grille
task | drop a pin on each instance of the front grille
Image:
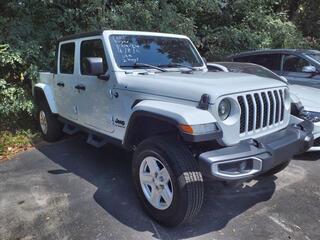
(260, 110)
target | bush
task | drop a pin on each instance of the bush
(30, 28)
(15, 97)
(15, 105)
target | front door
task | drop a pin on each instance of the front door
(94, 100)
(64, 81)
(292, 70)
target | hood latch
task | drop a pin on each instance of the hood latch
(204, 102)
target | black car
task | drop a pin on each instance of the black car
(298, 66)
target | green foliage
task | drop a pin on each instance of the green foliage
(218, 27)
(158, 16)
(30, 28)
(15, 100)
(15, 104)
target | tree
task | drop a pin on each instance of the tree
(30, 28)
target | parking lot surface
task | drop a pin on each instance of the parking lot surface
(70, 190)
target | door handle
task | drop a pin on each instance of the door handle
(60, 84)
(80, 87)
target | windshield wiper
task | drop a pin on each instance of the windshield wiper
(178, 65)
(143, 65)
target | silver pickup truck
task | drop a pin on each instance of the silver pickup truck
(152, 94)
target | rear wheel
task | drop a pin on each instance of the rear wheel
(50, 127)
(167, 180)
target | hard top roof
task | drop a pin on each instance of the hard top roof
(80, 35)
(280, 50)
(100, 32)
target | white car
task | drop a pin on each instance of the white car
(151, 94)
(305, 100)
(310, 110)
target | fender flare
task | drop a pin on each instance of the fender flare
(180, 113)
(174, 114)
(45, 89)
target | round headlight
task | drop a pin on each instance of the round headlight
(224, 109)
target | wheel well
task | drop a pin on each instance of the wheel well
(143, 127)
(39, 95)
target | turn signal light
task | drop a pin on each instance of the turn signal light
(198, 129)
(186, 128)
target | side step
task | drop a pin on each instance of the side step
(96, 141)
(70, 129)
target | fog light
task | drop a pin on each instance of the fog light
(242, 166)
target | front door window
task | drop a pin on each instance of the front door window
(91, 48)
(292, 63)
(293, 69)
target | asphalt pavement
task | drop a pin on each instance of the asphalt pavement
(70, 190)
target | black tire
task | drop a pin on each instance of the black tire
(184, 172)
(277, 169)
(54, 127)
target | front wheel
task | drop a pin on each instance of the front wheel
(167, 180)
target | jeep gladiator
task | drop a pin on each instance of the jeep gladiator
(152, 94)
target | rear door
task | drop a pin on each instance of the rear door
(292, 70)
(65, 80)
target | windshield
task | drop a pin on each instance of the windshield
(251, 69)
(315, 56)
(130, 50)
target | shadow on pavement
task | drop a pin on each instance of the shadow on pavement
(109, 170)
(308, 156)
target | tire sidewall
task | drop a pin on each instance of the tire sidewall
(54, 127)
(179, 201)
(44, 109)
(46, 117)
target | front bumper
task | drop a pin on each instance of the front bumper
(316, 136)
(255, 156)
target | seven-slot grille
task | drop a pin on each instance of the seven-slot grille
(261, 109)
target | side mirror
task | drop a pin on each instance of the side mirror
(309, 69)
(94, 66)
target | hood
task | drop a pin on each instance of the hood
(192, 86)
(308, 96)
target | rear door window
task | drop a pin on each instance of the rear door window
(270, 61)
(67, 58)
